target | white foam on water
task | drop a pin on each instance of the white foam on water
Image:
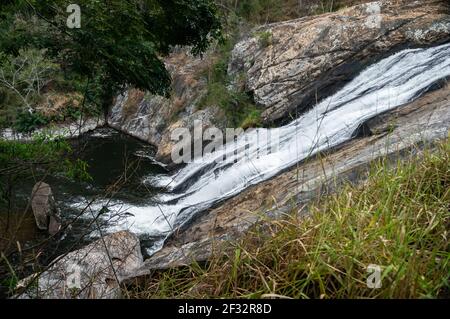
(383, 86)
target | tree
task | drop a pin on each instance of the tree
(26, 74)
(119, 43)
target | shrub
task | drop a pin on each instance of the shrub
(27, 122)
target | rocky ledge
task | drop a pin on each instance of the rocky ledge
(307, 59)
(69, 130)
(98, 270)
(93, 272)
(286, 66)
(393, 134)
(303, 60)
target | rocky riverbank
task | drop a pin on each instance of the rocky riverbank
(116, 259)
(298, 63)
(69, 130)
(395, 134)
(286, 67)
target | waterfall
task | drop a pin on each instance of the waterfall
(392, 82)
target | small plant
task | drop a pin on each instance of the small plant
(77, 170)
(27, 122)
(240, 111)
(265, 39)
(397, 220)
(253, 119)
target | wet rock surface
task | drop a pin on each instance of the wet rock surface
(309, 58)
(152, 118)
(287, 67)
(304, 61)
(394, 134)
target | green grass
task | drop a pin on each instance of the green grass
(238, 107)
(397, 219)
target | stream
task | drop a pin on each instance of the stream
(152, 202)
(392, 82)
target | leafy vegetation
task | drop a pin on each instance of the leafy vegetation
(239, 108)
(265, 39)
(23, 161)
(27, 122)
(120, 43)
(51, 73)
(397, 219)
(238, 15)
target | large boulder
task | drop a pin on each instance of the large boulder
(44, 208)
(290, 65)
(93, 272)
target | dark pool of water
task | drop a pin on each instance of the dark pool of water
(117, 165)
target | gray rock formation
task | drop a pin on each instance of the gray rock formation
(93, 272)
(286, 66)
(69, 130)
(152, 118)
(396, 133)
(44, 208)
(309, 58)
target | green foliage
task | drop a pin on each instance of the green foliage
(42, 149)
(25, 82)
(44, 153)
(27, 122)
(252, 118)
(22, 80)
(77, 170)
(120, 42)
(257, 12)
(217, 95)
(239, 108)
(260, 11)
(265, 38)
(11, 280)
(10, 283)
(8, 107)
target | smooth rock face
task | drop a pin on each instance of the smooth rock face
(44, 208)
(305, 60)
(153, 118)
(393, 134)
(309, 58)
(93, 272)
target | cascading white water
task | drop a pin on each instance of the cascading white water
(385, 85)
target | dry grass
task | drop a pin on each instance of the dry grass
(398, 219)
